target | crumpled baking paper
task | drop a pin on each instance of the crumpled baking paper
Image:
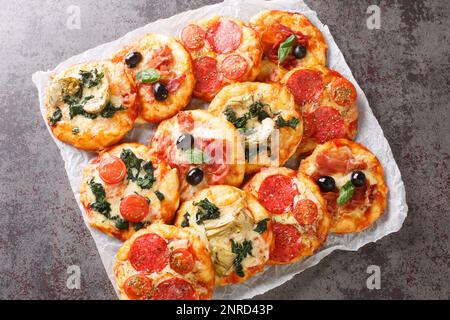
(370, 134)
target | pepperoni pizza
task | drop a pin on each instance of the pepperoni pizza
(301, 43)
(125, 189)
(351, 180)
(237, 229)
(328, 102)
(164, 262)
(224, 50)
(267, 118)
(162, 71)
(205, 149)
(299, 213)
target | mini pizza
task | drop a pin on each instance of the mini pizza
(328, 102)
(351, 179)
(299, 212)
(266, 116)
(125, 189)
(289, 41)
(162, 71)
(235, 227)
(91, 106)
(163, 262)
(206, 150)
(224, 50)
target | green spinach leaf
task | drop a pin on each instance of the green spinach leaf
(207, 211)
(56, 116)
(110, 110)
(132, 163)
(292, 123)
(242, 250)
(91, 78)
(261, 226)
(100, 205)
(185, 222)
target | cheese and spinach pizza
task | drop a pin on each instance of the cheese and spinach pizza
(328, 103)
(162, 70)
(298, 212)
(266, 116)
(125, 189)
(92, 105)
(163, 262)
(351, 179)
(289, 40)
(206, 150)
(224, 50)
(235, 227)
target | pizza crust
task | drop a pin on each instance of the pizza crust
(362, 217)
(279, 102)
(313, 236)
(249, 49)
(317, 46)
(349, 113)
(94, 134)
(204, 127)
(166, 182)
(201, 277)
(181, 65)
(239, 214)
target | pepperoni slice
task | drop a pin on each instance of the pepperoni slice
(329, 124)
(112, 170)
(344, 92)
(331, 198)
(277, 193)
(174, 289)
(149, 253)
(134, 208)
(305, 212)
(306, 86)
(138, 287)
(287, 242)
(234, 67)
(224, 36)
(182, 261)
(207, 75)
(193, 37)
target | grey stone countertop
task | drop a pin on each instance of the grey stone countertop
(403, 68)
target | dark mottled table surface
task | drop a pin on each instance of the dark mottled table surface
(403, 68)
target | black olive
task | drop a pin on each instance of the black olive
(300, 51)
(194, 176)
(185, 142)
(160, 91)
(132, 59)
(326, 184)
(358, 178)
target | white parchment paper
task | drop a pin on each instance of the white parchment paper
(370, 134)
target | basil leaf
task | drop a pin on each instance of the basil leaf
(149, 75)
(196, 156)
(261, 226)
(346, 193)
(285, 48)
(57, 115)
